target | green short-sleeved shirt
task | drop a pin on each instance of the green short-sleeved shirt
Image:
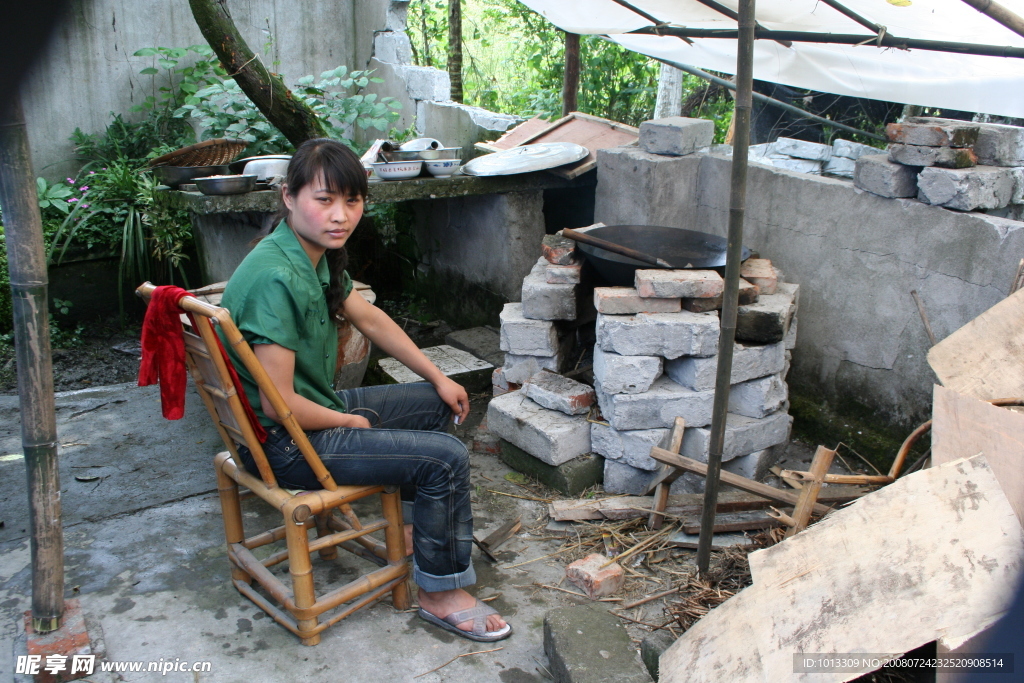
(276, 297)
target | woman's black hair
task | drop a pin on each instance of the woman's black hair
(343, 174)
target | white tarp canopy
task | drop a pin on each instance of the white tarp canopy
(992, 85)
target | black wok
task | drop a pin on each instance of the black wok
(680, 247)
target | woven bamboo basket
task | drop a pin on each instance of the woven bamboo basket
(206, 153)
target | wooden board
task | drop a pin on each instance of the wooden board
(963, 426)
(934, 556)
(732, 521)
(985, 357)
(592, 132)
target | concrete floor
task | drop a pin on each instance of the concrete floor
(145, 554)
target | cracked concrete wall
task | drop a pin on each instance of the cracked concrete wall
(88, 70)
(857, 256)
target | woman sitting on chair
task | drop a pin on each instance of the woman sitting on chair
(287, 298)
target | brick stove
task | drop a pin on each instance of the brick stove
(654, 356)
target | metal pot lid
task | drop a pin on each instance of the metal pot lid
(527, 158)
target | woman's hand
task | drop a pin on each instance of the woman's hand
(453, 394)
(355, 421)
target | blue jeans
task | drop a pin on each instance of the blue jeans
(406, 447)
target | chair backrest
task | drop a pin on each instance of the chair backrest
(209, 368)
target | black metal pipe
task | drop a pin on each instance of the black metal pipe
(27, 266)
(774, 102)
(839, 39)
(734, 255)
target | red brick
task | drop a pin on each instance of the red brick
(558, 250)
(596, 582)
(627, 301)
(759, 271)
(689, 284)
(69, 640)
(748, 295)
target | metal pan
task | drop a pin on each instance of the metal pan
(683, 249)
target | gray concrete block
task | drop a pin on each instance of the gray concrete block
(671, 284)
(482, 342)
(758, 397)
(945, 157)
(545, 301)
(651, 648)
(393, 47)
(622, 478)
(519, 369)
(668, 335)
(572, 477)
(799, 165)
(656, 408)
(749, 362)
(933, 133)
(789, 341)
(848, 149)
(563, 394)
(789, 363)
(548, 435)
(524, 336)
(767, 321)
(841, 166)
(676, 135)
(997, 145)
(966, 189)
(568, 274)
(874, 173)
(625, 374)
(631, 447)
(586, 644)
(742, 435)
(1018, 186)
(426, 83)
(754, 465)
(627, 301)
(802, 149)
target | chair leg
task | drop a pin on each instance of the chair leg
(394, 539)
(231, 511)
(323, 530)
(301, 570)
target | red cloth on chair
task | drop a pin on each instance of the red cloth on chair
(163, 350)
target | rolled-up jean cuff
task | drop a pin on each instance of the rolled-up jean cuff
(407, 511)
(433, 584)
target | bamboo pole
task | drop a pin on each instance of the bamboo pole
(730, 301)
(29, 285)
(571, 81)
(809, 493)
(1001, 14)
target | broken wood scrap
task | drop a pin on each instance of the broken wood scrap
(666, 476)
(777, 471)
(503, 533)
(809, 494)
(680, 505)
(731, 522)
(854, 479)
(734, 480)
(840, 585)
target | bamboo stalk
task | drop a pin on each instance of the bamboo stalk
(649, 598)
(809, 493)
(851, 479)
(1004, 16)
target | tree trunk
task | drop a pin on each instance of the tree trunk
(292, 117)
(455, 48)
(571, 81)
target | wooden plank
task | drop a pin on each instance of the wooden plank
(963, 426)
(731, 522)
(675, 444)
(516, 136)
(503, 533)
(985, 357)
(682, 539)
(809, 493)
(897, 569)
(629, 507)
(734, 480)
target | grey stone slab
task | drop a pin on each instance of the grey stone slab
(676, 135)
(625, 374)
(758, 397)
(669, 335)
(997, 145)
(545, 301)
(743, 435)
(524, 336)
(841, 166)
(799, 165)
(802, 149)
(874, 173)
(622, 478)
(945, 157)
(586, 644)
(632, 448)
(966, 189)
(560, 393)
(656, 408)
(848, 149)
(482, 342)
(749, 361)
(519, 369)
(767, 321)
(754, 465)
(548, 435)
(461, 366)
(627, 301)
(572, 477)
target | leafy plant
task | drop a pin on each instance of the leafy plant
(340, 111)
(53, 196)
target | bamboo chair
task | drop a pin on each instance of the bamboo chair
(302, 511)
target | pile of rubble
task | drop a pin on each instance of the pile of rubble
(955, 164)
(837, 159)
(655, 359)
